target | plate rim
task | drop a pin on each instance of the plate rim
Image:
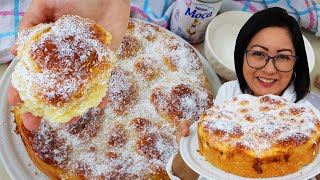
(9, 157)
(185, 150)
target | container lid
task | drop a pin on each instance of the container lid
(210, 1)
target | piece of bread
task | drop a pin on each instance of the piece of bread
(259, 137)
(157, 82)
(64, 68)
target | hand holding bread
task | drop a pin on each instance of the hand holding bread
(63, 70)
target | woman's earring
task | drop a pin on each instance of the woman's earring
(295, 76)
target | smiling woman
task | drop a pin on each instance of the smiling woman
(262, 75)
(269, 35)
(269, 58)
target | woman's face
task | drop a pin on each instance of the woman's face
(268, 80)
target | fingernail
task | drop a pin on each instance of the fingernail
(185, 132)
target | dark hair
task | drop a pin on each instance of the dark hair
(274, 17)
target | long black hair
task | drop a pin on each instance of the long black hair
(274, 17)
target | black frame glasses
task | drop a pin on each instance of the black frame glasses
(274, 58)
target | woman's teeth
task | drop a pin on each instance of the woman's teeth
(266, 80)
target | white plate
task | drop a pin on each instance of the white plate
(189, 151)
(220, 40)
(12, 151)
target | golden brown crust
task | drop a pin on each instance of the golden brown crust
(61, 64)
(135, 136)
(122, 91)
(145, 145)
(129, 47)
(288, 152)
(239, 162)
(53, 172)
(146, 70)
(46, 57)
(170, 105)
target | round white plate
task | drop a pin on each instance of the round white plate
(12, 151)
(220, 40)
(189, 151)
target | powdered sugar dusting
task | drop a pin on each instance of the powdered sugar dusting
(61, 62)
(267, 121)
(70, 42)
(141, 153)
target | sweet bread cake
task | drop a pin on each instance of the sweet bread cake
(259, 137)
(156, 82)
(64, 68)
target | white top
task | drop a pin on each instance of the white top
(226, 92)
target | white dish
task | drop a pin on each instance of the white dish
(12, 151)
(220, 39)
(189, 151)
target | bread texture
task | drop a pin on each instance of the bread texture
(259, 137)
(156, 82)
(63, 68)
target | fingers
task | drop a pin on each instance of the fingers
(182, 170)
(183, 129)
(74, 120)
(30, 121)
(37, 13)
(14, 49)
(102, 105)
(116, 23)
(104, 102)
(117, 37)
(13, 96)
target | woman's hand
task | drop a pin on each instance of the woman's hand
(32, 122)
(182, 170)
(113, 15)
(179, 167)
(183, 129)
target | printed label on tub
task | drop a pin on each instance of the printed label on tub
(190, 18)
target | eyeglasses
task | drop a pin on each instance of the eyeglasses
(282, 62)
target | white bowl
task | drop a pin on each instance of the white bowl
(220, 39)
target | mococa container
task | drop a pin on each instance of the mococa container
(190, 18)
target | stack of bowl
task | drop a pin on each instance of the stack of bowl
(220, 41)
